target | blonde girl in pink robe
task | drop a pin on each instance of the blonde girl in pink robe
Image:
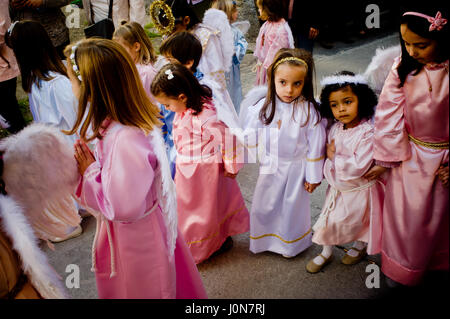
(411, 137)
(210, 204)
(132, 36)
(274, 34)
(352, 201)
(127, 183)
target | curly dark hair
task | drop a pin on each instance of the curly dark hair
(367, 99)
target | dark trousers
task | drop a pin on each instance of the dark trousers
(9, 108)
(60, 49)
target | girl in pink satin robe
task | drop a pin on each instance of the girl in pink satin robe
(411, 137)
(351, 201)
(274, 34)
(210, 204)
(127, 183)
(132, 36)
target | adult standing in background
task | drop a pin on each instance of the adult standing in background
(8, 76)
(49, 14)
(199, 7)
(129, 10)
(304, 22)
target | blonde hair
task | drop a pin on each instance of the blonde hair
(133, 32)
(111, 85)
(227, 6)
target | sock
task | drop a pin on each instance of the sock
(358, 245)
(326, 252)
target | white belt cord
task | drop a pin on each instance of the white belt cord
(193, 159)
(330, 204)
(101, 219)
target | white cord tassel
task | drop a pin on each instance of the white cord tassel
(94, 244)
(111, 249)
(322, 221)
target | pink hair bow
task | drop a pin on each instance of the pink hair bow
(437, 23)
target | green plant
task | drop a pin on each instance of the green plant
(24, 106)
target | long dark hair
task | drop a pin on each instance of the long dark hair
(182, 82)
(267, 112)
(421, 26)
(34, 52)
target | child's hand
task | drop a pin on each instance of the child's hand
(443, 174)
(311, 187)
(375, 172)
(83, 155)
(230, 175)
(331, 150)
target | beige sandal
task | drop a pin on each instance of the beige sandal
(350, 260)
(313, 268)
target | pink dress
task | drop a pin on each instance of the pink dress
(351, 202)
(130, 251)
(147, 73)
(210, 205)
(272, 37)
(415, 234)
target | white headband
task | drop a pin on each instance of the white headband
(342, 79)
(74, 63)
(11, 27)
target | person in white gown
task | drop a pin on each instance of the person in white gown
(293, 144)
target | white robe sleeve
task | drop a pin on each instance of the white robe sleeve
(315, 158)
(62, 98)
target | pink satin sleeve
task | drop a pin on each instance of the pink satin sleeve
(120, 188)
(355, 165)
(232, 150)
(391, 143)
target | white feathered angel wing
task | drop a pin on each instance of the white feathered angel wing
(218, 20)
(34, 261)
(39, 168)
(243, 26)
(380, 66)
(255, 95)
(166, 189)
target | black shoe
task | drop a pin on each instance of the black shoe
(227, 245)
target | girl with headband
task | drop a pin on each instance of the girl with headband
(291, 139)
(411, 140)
(351, 200)
(137, 250)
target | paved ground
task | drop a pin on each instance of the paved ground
(238, 273)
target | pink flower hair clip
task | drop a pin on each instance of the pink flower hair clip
(437, 23)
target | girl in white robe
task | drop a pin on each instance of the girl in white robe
(292, 143)
(52, 102)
